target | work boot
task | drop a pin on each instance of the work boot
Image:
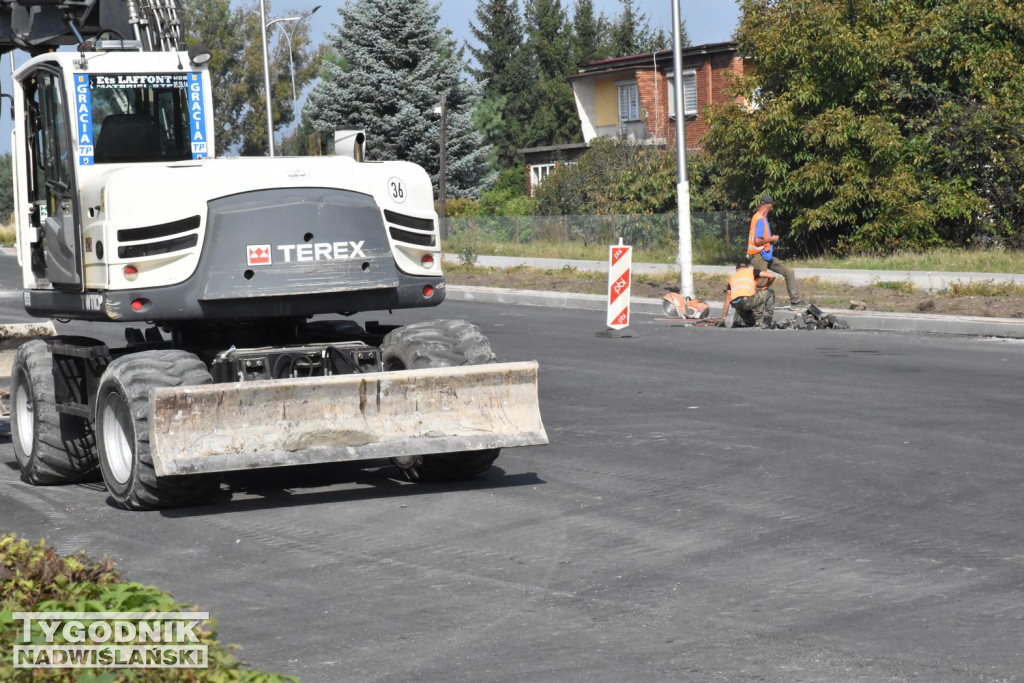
(796, 302)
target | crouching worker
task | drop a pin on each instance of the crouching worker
(753, 306)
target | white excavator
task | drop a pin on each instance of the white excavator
(236, 278)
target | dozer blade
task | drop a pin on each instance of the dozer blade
(222, 427)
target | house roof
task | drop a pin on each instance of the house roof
(661, 58)
(572, 146)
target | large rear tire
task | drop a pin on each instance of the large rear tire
(122, 430)
(51, 447)
(439, 344)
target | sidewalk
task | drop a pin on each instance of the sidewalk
(924, 280)
(1012, 328)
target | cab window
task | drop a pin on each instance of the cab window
(140, 117)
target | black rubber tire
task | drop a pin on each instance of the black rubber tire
(122, 430)
(439, 344)
(51, 448)
(446, 466)
(435, 344)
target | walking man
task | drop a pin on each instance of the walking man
(753, 306)
(760, 250)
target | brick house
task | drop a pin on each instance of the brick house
(634, 97)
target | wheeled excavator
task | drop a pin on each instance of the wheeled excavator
(235, 280)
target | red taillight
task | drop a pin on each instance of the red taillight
(139, 304)
(131, 273)
(428, 292)
(427, 261)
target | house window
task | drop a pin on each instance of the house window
(754, 102)
(629, 103)
(689, 93)
(538, 172)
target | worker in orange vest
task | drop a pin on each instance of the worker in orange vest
(760, 250)
(754, 305)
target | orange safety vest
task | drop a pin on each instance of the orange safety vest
(751, 247)
(742, 283)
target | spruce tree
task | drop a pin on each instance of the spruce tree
(588, 44)
(397, 63)
(631, 34)
(506, 76)
(554, 119)
(500, 33)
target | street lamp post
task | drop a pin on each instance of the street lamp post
(266, 77)
(683, 179)
(266, 62)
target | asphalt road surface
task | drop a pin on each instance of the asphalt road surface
(714, 505)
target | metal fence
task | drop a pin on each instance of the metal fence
(642, 231)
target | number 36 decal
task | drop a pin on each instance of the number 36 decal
(396, 188)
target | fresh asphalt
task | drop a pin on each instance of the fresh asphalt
(980, 326)
(713, 505)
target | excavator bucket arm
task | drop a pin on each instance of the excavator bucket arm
(37, 26)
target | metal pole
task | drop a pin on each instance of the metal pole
(266, 77)
(683, 186)
(441, 189)
(291, 63)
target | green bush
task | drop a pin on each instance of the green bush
(512, 180)
(506, 203)
(34, 578)
(461, 207)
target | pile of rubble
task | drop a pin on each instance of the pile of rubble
(812, 319)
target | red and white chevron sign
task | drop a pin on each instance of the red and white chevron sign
(620, 262)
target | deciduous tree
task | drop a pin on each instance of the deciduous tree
(879, 125)
(6, 188)
(236, 70)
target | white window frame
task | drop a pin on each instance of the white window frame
(629, 102)
(538, 173)
(689, 93)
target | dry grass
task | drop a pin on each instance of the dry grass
(941, 260)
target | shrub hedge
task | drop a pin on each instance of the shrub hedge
(34, 578)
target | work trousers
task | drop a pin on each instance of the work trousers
(792, 285)
(754, 310)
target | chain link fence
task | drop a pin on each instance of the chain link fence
(655, 231)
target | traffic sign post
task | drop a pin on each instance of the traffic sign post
(620, 262)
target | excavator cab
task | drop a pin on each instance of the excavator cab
(79, 118)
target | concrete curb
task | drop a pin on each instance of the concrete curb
(1010, 328)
